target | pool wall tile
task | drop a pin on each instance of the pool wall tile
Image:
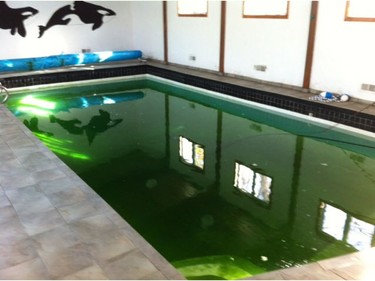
(325, 111)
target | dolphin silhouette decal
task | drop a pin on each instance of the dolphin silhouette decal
(13, 18)
(88, 13)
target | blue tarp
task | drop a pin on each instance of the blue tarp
(39, 63)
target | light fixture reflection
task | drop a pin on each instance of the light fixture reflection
(55, 145)
(34, 111)
(30, 100)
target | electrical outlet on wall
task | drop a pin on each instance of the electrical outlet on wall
(192, 58)
(260, 67)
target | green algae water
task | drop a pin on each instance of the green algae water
(222, 189)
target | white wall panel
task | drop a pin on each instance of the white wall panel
(194, 36)
(278, 44)
(344, 55)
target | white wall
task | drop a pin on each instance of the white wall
(114, 35)
(194, 36)
(344, 52)
(279, 44)
(147, 28)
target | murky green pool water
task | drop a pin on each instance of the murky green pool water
(223, 190)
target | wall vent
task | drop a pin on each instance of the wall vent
(368, 87)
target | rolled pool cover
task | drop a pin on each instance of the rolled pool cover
(40, 63)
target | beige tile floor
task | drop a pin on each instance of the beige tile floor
(54, 226)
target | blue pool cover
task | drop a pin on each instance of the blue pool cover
(39, 63)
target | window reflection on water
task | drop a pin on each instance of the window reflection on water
(191, 153)
(252, 183)
(346, 228)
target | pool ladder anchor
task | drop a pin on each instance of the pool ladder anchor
(4, 94)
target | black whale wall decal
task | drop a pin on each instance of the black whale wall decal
(88, 13)
(13, 19)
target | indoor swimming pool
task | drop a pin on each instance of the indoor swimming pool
(222, 188)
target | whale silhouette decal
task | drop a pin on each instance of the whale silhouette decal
(88, 13)
(13, 19)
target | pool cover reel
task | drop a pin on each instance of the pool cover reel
(40, 63)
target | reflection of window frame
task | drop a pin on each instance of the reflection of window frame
(284, 15)
(356, 18)
(251, 193)
(191, 13)
(350, 221)
(194, 148)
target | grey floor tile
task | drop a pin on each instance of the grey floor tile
(12, 230)
(157, 275)
(132, 265)
(6, 154)
(55, 239)
(66, 261)
(93, 272)
(7, 129)
(16, 181)
(66, 197)
(328, 264)
(23, 151)
(93, 227)
(40, 222)
(309, 272)
(33, 269)
(4, 201)
(29, 200)
(16, 252)
(20, 139)
(274, 275)
(37, 162)
(352, 272)
(79, 210)
(56, 185)
(356, 272)
(23, 194)
(41, 167)
(49, 174)
(33, 158)
(10, 166)
(7, 213)
(113, 245)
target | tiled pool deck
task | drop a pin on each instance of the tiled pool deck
(54, 226)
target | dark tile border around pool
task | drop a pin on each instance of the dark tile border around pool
(344, 116)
